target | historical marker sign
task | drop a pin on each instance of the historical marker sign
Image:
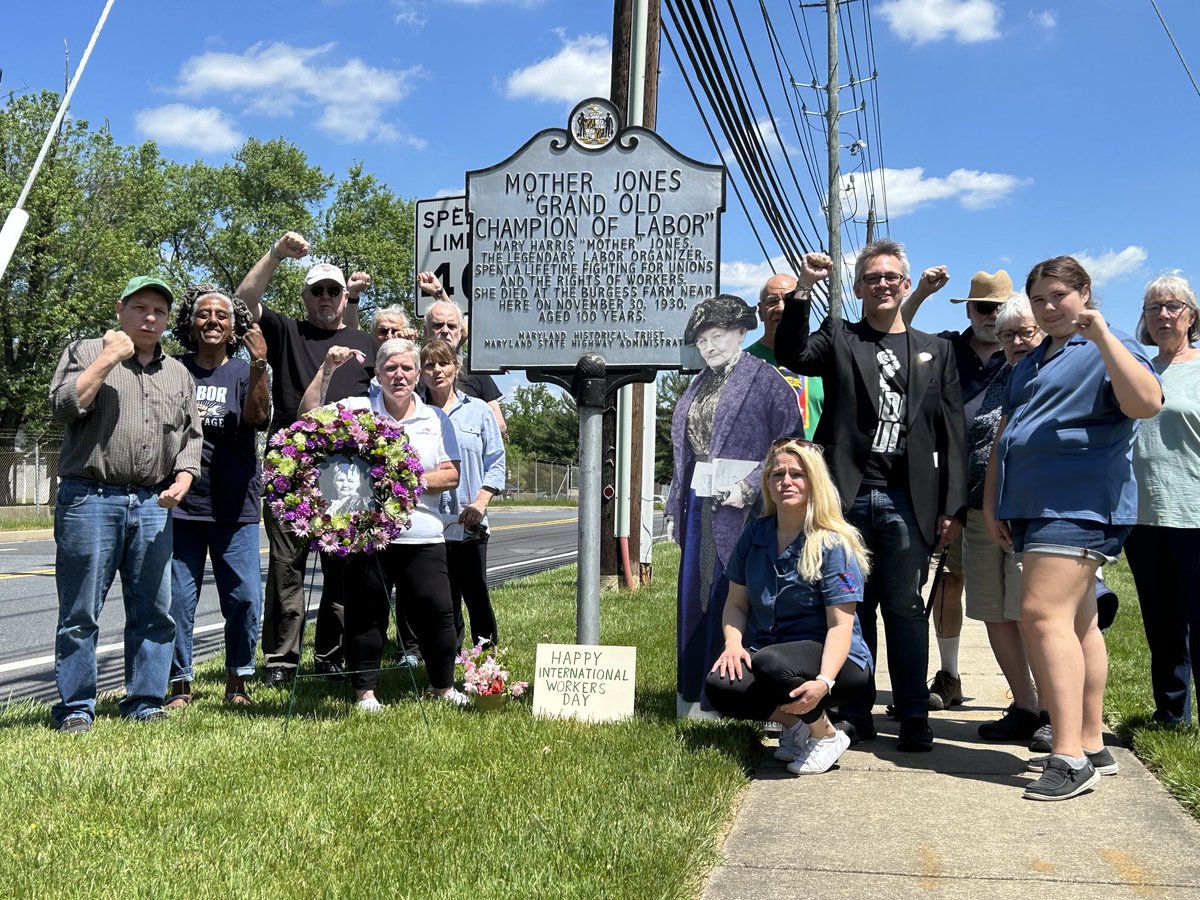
(591, 240)
(441, 237)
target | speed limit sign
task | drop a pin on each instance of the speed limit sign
(441, 236)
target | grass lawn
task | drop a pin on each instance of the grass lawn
(222, 803)
(26, 518)
(1172, 753)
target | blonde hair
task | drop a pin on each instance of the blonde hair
(824, 524)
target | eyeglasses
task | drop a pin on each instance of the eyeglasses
(1026, 334)
(985, 307)
(774, 300)
(1171, 307)
(391, 332)
(325, 290)
(891, 278)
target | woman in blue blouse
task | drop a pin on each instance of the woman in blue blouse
(464, 510)
(1060, 492)
(793, 645)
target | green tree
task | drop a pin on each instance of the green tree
(670, 388)
(94, 219)
(101, 212)
(542, 424)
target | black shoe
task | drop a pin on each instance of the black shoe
(278, 677)
(1061, 782)
(859, 728)
(331, 670)
(915, 735)
(1016, 725)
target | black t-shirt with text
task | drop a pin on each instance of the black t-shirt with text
(888, 465)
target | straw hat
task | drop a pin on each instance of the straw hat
(994, 288)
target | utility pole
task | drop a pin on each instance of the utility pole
(835, 167)
(634, 91)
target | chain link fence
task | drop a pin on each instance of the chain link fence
(536, 479)
(29, 476)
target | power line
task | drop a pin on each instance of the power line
(1178, 52)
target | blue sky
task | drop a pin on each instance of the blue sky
(1011, 131)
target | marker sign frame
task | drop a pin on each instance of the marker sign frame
(593, 240)
(442, 246)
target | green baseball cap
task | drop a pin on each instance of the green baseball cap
(138, 282)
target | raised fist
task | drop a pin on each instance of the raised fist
(814, 267)
(359, 282)
(118, 345)
(429, 284)
(291, 246)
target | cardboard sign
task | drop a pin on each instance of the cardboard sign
(590, 682)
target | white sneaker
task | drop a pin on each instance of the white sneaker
(791, 742)
(453, 696)
(370, 704)
(820, 755)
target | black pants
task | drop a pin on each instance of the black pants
(774, 673)
(468, 583)
(283, 606)
(422, 593)
(1165, 563)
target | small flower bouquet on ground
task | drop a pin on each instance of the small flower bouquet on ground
(486, 680)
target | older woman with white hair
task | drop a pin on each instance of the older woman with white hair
(1164, 547)
(993, 575)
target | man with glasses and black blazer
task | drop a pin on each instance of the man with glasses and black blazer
(895, 441)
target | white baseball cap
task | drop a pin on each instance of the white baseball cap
(325, 272)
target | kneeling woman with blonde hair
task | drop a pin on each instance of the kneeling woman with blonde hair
(793, 644)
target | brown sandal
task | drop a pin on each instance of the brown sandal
(180, 696)
(238, 698)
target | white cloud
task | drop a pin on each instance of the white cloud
(208, 130)
(346, 96)
(1045, 20)
(408, 13)
(922, 21)
(770, 138)
(580, 69)
(1113, 264)
(909, 189)
(745, 279)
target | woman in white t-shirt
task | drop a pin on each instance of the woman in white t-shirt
(415, 561)
(1164, 547)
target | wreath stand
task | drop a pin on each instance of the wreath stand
(314, 560)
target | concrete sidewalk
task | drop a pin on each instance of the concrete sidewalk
(952, 823)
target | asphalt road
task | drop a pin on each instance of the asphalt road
(523, 541)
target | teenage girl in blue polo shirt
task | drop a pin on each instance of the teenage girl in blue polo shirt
(1060, 491)
(793, 644)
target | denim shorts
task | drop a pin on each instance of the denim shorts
(1069, 537)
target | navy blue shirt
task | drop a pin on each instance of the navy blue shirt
(1067, 451)
(974, 375)
(229, 448)
(783, 606)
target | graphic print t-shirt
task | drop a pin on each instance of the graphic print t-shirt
(887, 465)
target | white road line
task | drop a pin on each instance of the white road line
(103, 649)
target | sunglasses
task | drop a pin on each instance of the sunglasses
(391, 332)
(985, 307)
(325, 290)
(780, 443)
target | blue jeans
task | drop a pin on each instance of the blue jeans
(233, 547)
(899, 568)
(100, 529)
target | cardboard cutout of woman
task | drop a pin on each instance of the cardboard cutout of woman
(720, 434)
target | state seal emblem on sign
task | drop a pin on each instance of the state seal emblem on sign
(594, 124)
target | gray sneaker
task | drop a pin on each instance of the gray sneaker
(77, 724)
(1060, 781)
(1102, 761)
(1040, 742)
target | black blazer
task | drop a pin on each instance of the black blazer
(843, 356)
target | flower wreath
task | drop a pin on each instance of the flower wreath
(291, 477)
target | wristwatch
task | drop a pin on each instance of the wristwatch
(828, 682)
(260, 364)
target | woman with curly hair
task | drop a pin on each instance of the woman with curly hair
(793, 644)
(220, 516)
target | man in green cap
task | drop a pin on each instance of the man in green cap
(129, 454)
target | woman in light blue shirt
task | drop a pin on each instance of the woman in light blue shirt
(482, 474)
